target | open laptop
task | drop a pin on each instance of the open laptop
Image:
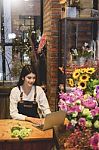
(54, 119)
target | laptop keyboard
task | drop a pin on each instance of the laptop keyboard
(40, 126)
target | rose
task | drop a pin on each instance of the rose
(85, 112)
(96, 124)
(88, 124)
(82, 121)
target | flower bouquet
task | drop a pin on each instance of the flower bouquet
(84, 51)
(82, 112)
(85, 79)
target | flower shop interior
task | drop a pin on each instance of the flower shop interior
(61, 38)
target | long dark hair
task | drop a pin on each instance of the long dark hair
(27, 69)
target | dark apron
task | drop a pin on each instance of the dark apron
(28, 108)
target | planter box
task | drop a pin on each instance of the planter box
(86, 4)
(86, 13)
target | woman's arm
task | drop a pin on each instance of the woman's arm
(43, 102)
(14, 98)
(34, 120)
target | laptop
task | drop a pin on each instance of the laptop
(54, 119)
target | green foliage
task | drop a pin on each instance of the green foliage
(20, 132)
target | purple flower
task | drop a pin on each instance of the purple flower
(94, 141)
(97, 88)
(97, 95)
(78, 91)
(62, 96)
(82, 122)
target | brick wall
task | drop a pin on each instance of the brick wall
(50, 24)
(52, 14)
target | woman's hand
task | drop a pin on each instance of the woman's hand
(35, 120)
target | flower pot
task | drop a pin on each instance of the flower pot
(81, 61)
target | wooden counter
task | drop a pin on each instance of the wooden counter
(37, 140)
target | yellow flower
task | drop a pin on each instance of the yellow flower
(82, 85)
(90, 70)
(71, 82)
(86, 96)
(83, 70)
(84, 77)
(76, 73)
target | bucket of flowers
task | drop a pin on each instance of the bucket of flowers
(82, 112)
(83, 54)
(85, 78)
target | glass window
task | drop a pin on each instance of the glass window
(22, 28)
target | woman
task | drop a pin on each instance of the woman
(27, 100)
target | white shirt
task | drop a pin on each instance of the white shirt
(43, 106)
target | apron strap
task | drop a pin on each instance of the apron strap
(35, 94)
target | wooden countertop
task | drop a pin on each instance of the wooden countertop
(36, 134)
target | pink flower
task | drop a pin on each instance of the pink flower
(97, 91)
(62, 96)
(94, 141)
(62, 105)
(89, 103)
(69, 126)
(75, 108)
(95, 111)
(82, 122)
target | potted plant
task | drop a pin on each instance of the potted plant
(82, 54)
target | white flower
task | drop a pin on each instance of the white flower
(85, 44)
(73, 122)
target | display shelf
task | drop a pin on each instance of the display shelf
(73, 33)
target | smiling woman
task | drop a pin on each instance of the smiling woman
(28, 101)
